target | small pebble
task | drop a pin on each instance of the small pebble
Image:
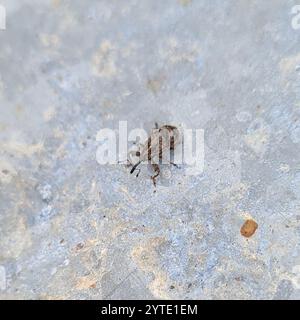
(249, 228)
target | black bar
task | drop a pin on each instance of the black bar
(156, 309)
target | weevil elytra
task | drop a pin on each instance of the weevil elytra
(161, 141)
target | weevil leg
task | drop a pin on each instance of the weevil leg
(138, 173)
(157, 172)
(128, 163)
(175, 165)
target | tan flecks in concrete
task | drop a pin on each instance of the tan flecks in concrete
(176, 51)
(155, 84)
(129, 50)
(146, 257)
(258, 136)
(67, 22)
(104, 60)
(127, 194)
(61, 151)
(257, 141)
(50, 40)
(185, 2)
(289, 64)
(3, 126)
(19, 109)
(58, 133)
(20, 149)
(51, 297)
(7, 171)
(55, 3)
(15, 240)
(86, 255)
(49, 114)
(199, 230)
(86, 282)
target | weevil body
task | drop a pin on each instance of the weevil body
(161, 140)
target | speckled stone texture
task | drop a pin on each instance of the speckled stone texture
(73, 229)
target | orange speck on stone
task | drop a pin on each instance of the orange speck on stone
(249, 228)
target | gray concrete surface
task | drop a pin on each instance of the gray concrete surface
(72, 229)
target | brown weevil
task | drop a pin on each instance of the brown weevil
(161, 141)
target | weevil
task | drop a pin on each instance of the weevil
(162, 139)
